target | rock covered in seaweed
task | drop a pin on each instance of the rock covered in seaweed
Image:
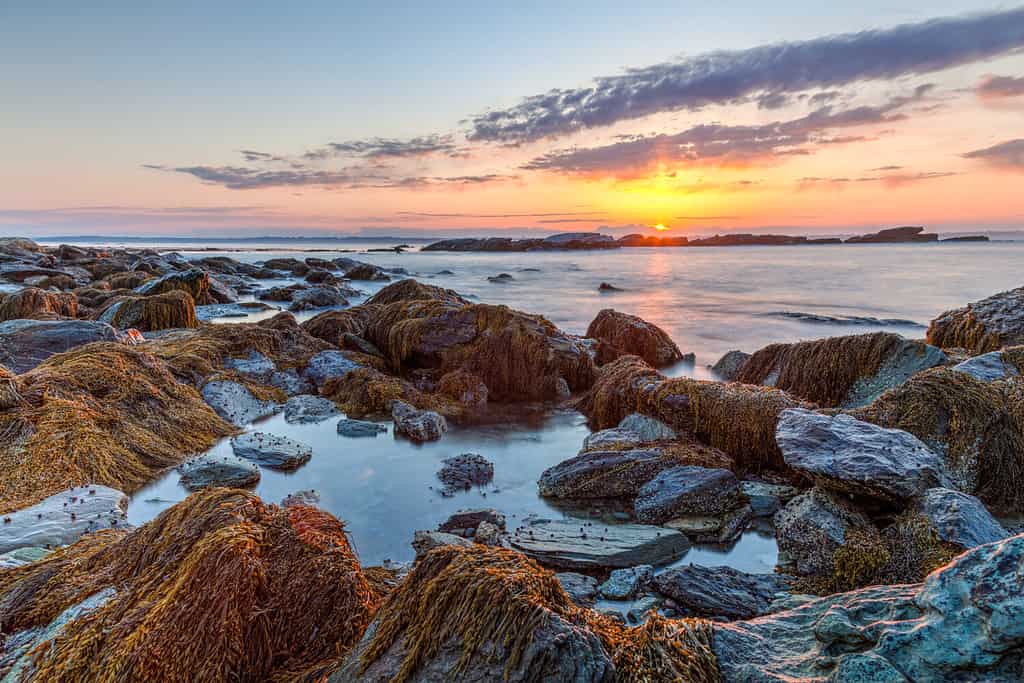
(812, 526)
(982, 326)
(38, 304)
(171, 309)
(24, 344)
(621, 334)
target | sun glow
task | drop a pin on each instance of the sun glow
(661, 227)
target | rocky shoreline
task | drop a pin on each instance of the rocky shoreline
(882, 465)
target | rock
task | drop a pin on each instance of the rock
(194, 281)
(288, 264)
(308, 409)
(465, 471)
(626, 584)
(988, 367)
(642, 609)
(500, 278)
(687, 489)
(291, 382)
(64, 517)
(602, 474)
(846, 454)
(766, 499)
(13, 559)
(464, 387)
(723, 528)
(812, 526)
(235, 403)
(982, 326)
(728, 366)
(959, 518)
(417, 425)
(241, 309)
(173, 309)
(580, 587)
(212, 469)
(308, 497)
(32, 302)
(270, 450)
(255, 365)
(465, 522)
(575, 544)
(360, 428)
(425, 541)
(647, 428)
(366, 272)
(24, 344)
(720, 591)
(327, 365)
(610, 439)
(488, 534)
(622, 334)
(317, 297)
(608, 287)
(907, 233)
(962, 624)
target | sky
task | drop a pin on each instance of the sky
(330, 118)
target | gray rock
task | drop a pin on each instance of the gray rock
(812, 526)
(846, 454)
(291, 382)
(306, 409)
(270, 450)
(237, 310)
(360, 428)
(211, 469)
(627, 583)
(720, 591)
(728, 366)
(647, 428)
(575, 544)
(465, 522)
(603, 474)
(767, 499)
(316, 298)
(463, 472)
(327, 364)
(13, 559)
(255, 365)
(24, 344)
(307, 497)
(64, 517)
(609, 439)
(488, 534)
(417, 425)
(908, 358)
(425, 541)
(580, 587)
(723, 528)
(964, 623)
(960, 518)
(987, 367)
(1000, 318)
(235, 403)
(642, 608)
(687, 489)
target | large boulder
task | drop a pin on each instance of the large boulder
(64, 517)
(150, 313)
(962, 624)
(24, 344)
(846, 372)
(687, 490)
(812, 526)
(846, 454)
(212, 469)
(35, 303)
(194, 281)
(271, 450)
(578, 544)
(959, 518)
(982, 326)
(720, 591)
(621, 334)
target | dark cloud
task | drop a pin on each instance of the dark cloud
(718, 143)
(889, 179)
(727, 77)
(773, 100)
(999, 87)
(1009, 154)
(377, 148)
(253, 156)
(245, 178)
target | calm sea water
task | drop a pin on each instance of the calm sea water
(710, 300)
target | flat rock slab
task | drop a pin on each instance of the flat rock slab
(720, 591)
(24, 344)
(360, 428)
(308, 409)
(235, 403)
(602, 474)
(270, 450)
(575, 544)
(212, 469)
(687, 490)
(988, 367)
(960, 518)
(647, 428)
(846, 454)
(256, 365)
(327, 364)
(64, 517)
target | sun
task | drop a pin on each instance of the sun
(661, 227)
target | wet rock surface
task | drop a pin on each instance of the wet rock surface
(988, 367)
(580, 587)
(603, 474)
(627, 583)
(360, 428)
(622, 334)
(63, 518)
(720, 591)
(728, 366)
(687, 489)
(24, 344)
(212, 469)
(577, 544)
(417, 425)
(235, 403)
(328, 365)
(960, 518)
(463, 472)
(306, 409)
(270, 450)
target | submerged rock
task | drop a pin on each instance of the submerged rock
(846, 454)
(720, 591)
(360, 428)
(212, 469)
(576, 544)
(687, 489)
(306, 409)
(235, 403)
(24, 344)
(465, 471)
(270, 450)
(959, 518)
(64, 517)
(621, 334)
(417, 425)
